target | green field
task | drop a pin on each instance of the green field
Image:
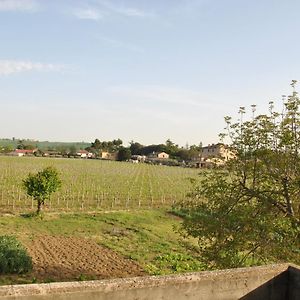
(106, 202)
(148, 237)
(90, 185)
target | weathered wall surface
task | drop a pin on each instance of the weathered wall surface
(225, 285)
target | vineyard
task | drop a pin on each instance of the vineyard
(95, 184)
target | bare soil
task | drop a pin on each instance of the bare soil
(73, 258)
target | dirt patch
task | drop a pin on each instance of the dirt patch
(71, 258)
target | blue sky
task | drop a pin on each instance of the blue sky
(141, 70)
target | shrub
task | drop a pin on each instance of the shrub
(41, 185)
(13, 256)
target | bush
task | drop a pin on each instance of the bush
(13, 256)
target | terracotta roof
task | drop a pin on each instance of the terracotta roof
(25, 151)
(83, 152)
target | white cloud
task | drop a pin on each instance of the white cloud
(88, 14)
(18, 5)
(8, 67)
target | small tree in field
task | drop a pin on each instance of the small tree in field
(41, 185)
(249, 212)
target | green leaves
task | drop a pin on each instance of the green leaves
(13, 257)
(249, 213)
(42, 184)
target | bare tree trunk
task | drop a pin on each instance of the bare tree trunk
(290, 210)
(39, 206)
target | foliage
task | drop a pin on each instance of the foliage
(42, 145)
(6, 149)
(110, 146)
(124, 154)
(41, 185)
(135, 148)
(22, 145)
(13, 257)
(248, 213)
(174, 262)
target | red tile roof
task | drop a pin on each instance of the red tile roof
(25, 151)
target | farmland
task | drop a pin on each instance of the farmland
(80, 246)
(90, 185)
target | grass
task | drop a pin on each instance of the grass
(119, 205)
(146, 236)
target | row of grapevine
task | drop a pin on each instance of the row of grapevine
(95, 184)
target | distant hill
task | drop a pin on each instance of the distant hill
(43, 145)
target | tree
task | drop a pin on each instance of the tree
(72, 150)
(124, 154)
(136, 148)
(41, 185)
(96, 145)
(249, 212)
(171, 148)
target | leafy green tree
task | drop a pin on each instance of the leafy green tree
(62, 149)
(136, 148)
(171, 148)
(41, 185)
(249, 212)
(6, 149)
(29, 147)
(72, 150)
(20, 144)
(124, 154)
(96, 144)
(117, 143)
(146, 150)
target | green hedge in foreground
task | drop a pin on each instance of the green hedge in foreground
(13, 256)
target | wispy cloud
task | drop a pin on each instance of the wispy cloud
(8, 67)
(120, 44)
(163, 94)
(18, 5)
(124, 10)
(102, 9)
(88, 14)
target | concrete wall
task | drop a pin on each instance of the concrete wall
(226, 284)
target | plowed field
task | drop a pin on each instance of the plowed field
(69, 258)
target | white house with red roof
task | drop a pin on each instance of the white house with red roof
(23, 152)
(84, 154)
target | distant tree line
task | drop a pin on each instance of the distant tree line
(115, 146)
(186, 153)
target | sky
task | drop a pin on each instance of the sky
(141, 70)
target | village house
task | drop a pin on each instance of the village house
(162, 155)
(218, 150)
(84, 154)
(215, 155)
(108, 155)
(51, 153)
(23, 152)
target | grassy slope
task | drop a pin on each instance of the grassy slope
(145, 236)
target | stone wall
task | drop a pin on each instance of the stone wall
(267, 282)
